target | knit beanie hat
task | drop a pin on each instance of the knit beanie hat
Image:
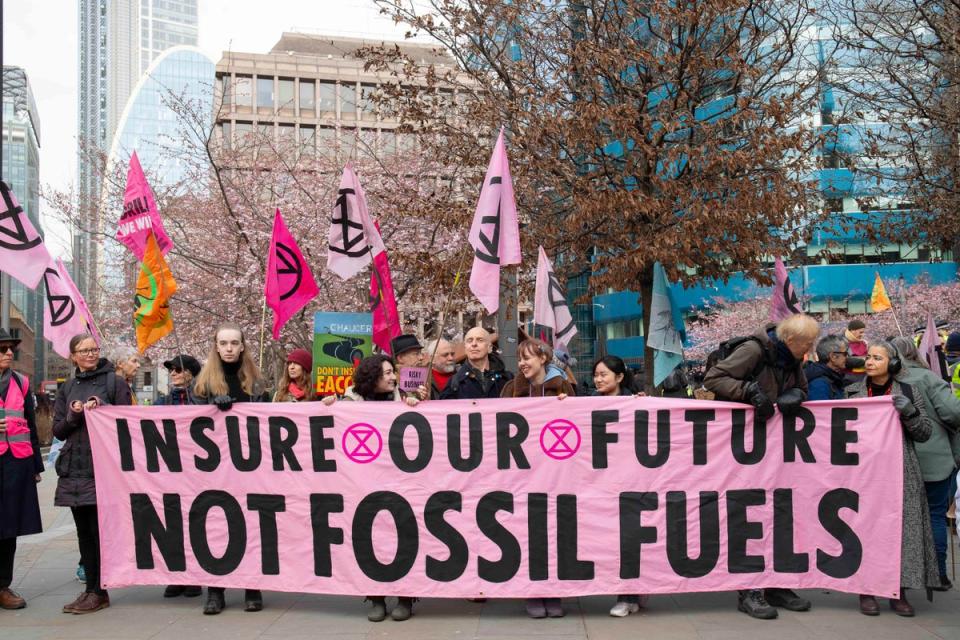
(303, 358)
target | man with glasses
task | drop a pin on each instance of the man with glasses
(825, 377)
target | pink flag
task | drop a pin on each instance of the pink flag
(22, 252)
(65, 312)
(353, 240)
(383, 304)
(550, 303)
(140, 215)
(928, 347)
(785, 302)
(495, 232)
(290, 285)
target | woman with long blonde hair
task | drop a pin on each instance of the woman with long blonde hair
(229, 376)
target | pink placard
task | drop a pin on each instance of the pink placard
(411, 378)
(503, 498)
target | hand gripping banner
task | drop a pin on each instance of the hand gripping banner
(507, 498)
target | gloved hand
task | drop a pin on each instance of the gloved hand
(223, 402)
(789, 401)
(755, 396)
(904, 407)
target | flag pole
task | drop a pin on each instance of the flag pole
(443, 315)
(263, 324)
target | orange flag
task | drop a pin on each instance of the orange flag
(878, 299)
(155, 287)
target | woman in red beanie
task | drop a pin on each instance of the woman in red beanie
(295, 384)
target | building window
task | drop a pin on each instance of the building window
(348, 143)
(348, 97)
(225, 131)
(285, 94)
(367, 103)
(308, 141)
(225, 90)
(624, 329)
(148, 378)
(243, 94)
(265, 95)
(327, 142)
(308, 101)
(328, 98)
(287, 137)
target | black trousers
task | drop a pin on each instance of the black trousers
(8, 549)
(88, 536)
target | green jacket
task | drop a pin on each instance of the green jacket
(940, 454)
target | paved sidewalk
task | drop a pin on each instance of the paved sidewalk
(45, 576)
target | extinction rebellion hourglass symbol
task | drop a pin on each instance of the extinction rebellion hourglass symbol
(560, 439)
(361, 443)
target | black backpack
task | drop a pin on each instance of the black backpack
(727, 347)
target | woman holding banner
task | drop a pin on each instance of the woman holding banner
(918, 555)
(295, 383)
(375, 379)
(20, 467)
(612, 378)
(94, 383)
(539, 378)
(230, 375)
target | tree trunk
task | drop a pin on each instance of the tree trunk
(645, 287)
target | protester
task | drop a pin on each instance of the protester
(94, 383)
(825, 379)
(407, 350)
(483, 375)
(127, 361)
(951, 349)
(229, 375)
(676, 384)
(857, 347)
(20, 467)
(918, 555)
(612, 378)
(295, 384)
(936, 455)
(539, 377)
(762, 370)
(443, 365)
(375, 379)
(182, 370)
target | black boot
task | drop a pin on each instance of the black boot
(215, 602)
(755, 605)
(378, 609)
(252, 600)
(403, 610)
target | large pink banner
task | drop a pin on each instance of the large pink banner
(503, 498)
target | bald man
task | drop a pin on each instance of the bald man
(482, 375)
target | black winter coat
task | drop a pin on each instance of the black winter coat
(469, 383)
(76, 487)
(823, 382)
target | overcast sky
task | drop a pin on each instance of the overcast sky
(41, 36)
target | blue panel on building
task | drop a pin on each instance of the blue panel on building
(626, 347)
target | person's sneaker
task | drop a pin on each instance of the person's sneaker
(192, 591)
(93, 602)
(554, 607)
(403, 610)
(787, 599)
(252, 600)
(378, 609)
(81, 574)
(174, 590)
(536, 608)
(215, 602)
(10, 599)
(754, 605)
(68, 608)
(623, 609)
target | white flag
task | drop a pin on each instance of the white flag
(550, 304)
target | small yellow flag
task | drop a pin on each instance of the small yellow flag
(155, 286)
(878, 299)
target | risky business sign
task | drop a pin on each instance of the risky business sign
(503, 498)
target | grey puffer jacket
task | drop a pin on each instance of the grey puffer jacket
(937, 455)
(76, 487)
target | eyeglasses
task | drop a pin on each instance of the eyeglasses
(176, 369)
(87, 352)
(8, 348)
(840, 353)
